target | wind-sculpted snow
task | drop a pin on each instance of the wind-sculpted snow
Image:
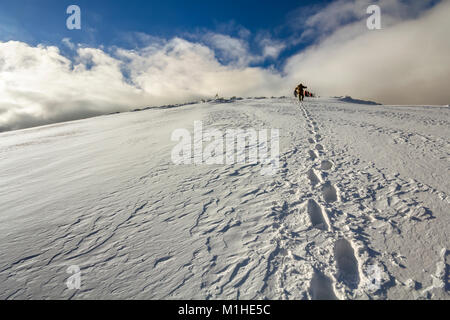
(358, 208)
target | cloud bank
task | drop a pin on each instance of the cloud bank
(38, 85)
(407, 62)
(404, 63)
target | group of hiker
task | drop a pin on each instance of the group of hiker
(301, 93)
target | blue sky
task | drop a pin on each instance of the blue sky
(44, 20)
(131, 54)
(114, 23)
(122, 23)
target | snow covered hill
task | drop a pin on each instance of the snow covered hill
(359, 208)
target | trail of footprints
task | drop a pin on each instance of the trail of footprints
(321, 286)
(310, 250)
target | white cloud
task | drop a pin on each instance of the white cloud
(404, 63)
(69, 44)
(38, 85)
(345, 12)
(270, 48)
(236, 51)
(229, 49)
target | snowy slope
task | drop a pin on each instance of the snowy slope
(359, 208)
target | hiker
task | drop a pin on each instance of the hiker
(300, 92)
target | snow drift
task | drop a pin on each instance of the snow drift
(357, 210)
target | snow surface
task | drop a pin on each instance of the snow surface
(359, 208)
